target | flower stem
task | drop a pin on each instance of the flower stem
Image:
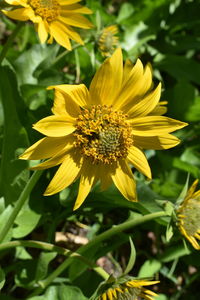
(54, 248)
(9, 41)
(98, 239)
(20, 202)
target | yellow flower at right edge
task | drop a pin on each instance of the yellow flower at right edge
(189, 216)
(94, 134)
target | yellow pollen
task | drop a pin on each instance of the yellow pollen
(190, 216)
(46, 9)
(103, 134)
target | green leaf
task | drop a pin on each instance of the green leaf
(169, 232)
(26, 221)
(2, 278)
(43, 263)
(149, 268)
(174, 253)
(126, 10)
(14, 140)
(132, 258)
(61, 292)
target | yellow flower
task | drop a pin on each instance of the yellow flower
(189, 216)
(107, 40)
(130, 290)
(94, 134)
(52, 17)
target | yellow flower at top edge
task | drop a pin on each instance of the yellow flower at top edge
(108, 40)
(94, 134)
(189, 216)
(130, 290)
(54, 18)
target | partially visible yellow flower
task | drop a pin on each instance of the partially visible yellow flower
(95, 134)
(108, 40)
(129, 290)
(189, 216)
(52, 17)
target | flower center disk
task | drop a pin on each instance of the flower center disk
(103, 134)
(46, 9)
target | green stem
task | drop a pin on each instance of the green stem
(9, 41)
(98, 239)
(54, 248)
(20, 202)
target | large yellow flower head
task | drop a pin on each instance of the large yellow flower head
(52, 17)
(189, 216)
(132, 289)
(95, 134)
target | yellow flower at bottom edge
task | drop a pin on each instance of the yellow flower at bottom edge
(130, 290)
(52, 17)
(108, 40)
(189, 216)
(94, 134)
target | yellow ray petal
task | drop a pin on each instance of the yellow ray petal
(156, 142)
(59, 35)
(124, 181)
(145, 105)
(107, 81)
(55, 126)
(69, 32)
(76, 20)
(78, 93)
(15, 2)
(63, 2)
(109, 294)
(45, 148)
(87, 180)
(191, 190)
(21, 14)
(42, 31)
(75, 8)
(137, 158)
(154, 125)
(52, 162)
(63, 104)
(131, 85)
(65, 175)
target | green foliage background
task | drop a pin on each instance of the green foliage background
(163, 32)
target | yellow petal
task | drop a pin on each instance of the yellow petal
(63, 104)
(131, 85)
(109, 294)
(87, 180)
(137, 158)
(42, 31)
(192, 190)
(63, 2)
(55, 126)
(16, 2)
(70, 32)
(75, 8)
(44, 148)
(161, 142)
(145, 105)
(124, 181)
(66, 174)
(76, 20)
(52, 162)
(78, 93)
(154, 125)
(59, 35)
(107, 81)
(21, 14)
